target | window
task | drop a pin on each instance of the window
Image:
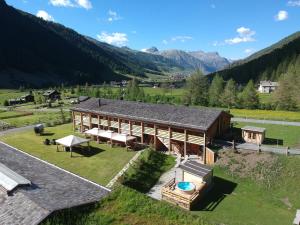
(254, 136)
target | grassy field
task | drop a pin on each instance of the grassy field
(286, 135)
(6, 94)
(100, 166)
(266, 114)
(232, 201)
(51, 118)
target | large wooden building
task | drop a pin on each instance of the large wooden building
(178, 129)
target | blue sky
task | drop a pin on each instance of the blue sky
(234, 28)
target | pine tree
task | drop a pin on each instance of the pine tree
(249, 97)
(215, 91)
(196, 89)
(229, 96)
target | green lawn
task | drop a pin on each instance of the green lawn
(266, 114)
(6, 94)
(232, 201)
(100, 167)
(287, 135)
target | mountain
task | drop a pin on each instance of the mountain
(38, 53)
(207, 62)
(267, 64)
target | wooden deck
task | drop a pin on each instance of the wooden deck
(172, 195)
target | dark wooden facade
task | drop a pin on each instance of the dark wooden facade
(172, 138)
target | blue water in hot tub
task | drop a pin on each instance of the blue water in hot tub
(186, 186)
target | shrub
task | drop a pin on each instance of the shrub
(47, 141)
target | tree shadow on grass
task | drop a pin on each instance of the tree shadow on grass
(47, 134)
(216, 195)
(273, 141)
(146, 172)
(84, 151)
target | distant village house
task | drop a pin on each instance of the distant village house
(267, 86)
(51, 95)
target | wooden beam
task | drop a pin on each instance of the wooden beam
(119, 125)
(142, 132)
(170, 136)
(155, 138)
(74, 122)
(130, 128)
(90, 119)
(204, 149)
(81, 122)
(185, 139)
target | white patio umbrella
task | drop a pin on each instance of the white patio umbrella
(71, 141)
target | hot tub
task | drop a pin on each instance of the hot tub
(186, 187)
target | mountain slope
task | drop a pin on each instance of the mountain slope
(207, 62)
(267, 64)
(37, 53)
(30, 47)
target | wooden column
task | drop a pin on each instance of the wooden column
(170, 136)
(119, 125)
(155, 139)
(108, 123)
(130, 128)
(142, 132)
(90, 119)
(204, 149)
(98, 139)
(81, 122)
(74, 122)
(185, 139)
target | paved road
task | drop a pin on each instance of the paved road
(14, 130)
(276, 122)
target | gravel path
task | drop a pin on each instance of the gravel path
(276, 122)
(15, 130)
(155, 191)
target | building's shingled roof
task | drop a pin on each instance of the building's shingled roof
(52, 189)
(195, 168)
(254, 129)
(50, 92)
(181, 116)
(267, 83)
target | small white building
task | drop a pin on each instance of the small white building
(267, 86)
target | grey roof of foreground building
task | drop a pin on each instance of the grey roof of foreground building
(51, 189)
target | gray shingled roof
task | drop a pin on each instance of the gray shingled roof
(181, 116)
(195, 168)
(52, 189)
(254, 129)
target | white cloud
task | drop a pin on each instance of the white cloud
(44, 15)
(62, 3)
(249, 51)
(244, 35)
(86, 4)
(113, 16)
(181, 38)
(294, 3)
(281, 15)
(119, 39)
(144, 50)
